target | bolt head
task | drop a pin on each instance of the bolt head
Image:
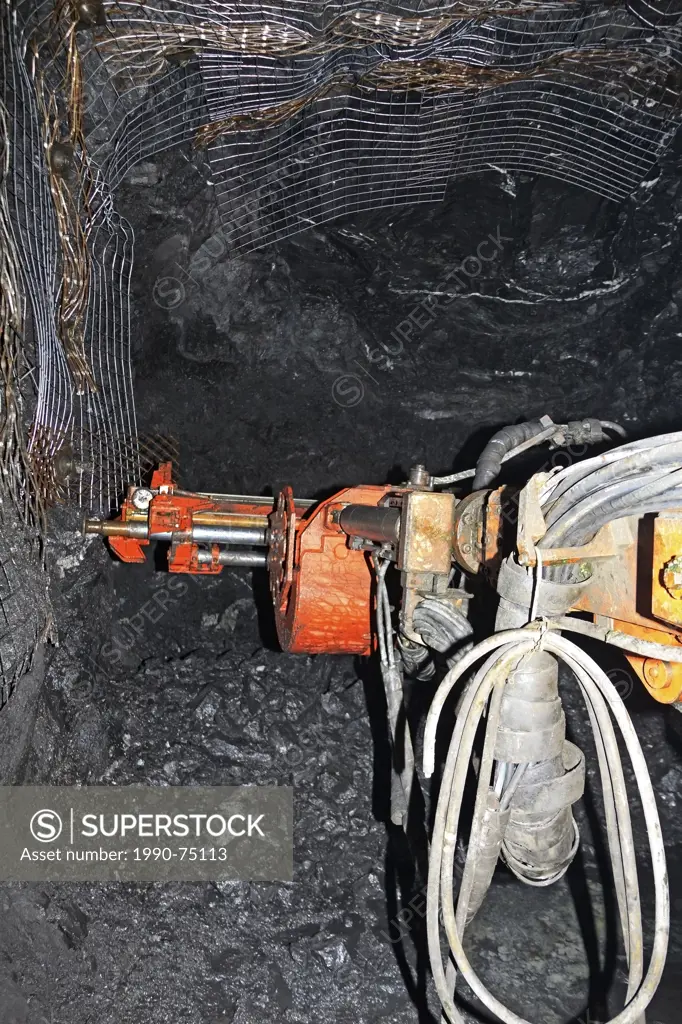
(420, 476)
(657, 673)
(672, 577)
(90, 13)
(142, 498)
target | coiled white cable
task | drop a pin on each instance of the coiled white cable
(504, 651)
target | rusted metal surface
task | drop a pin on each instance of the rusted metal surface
(612, 539)
(282, 549)
(613, 585)
(624, 589)
(663, 679)
(532, 526)
(672, 577)
(479, 530)
(666, 583)
(428, 526)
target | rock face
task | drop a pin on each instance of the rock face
(398, 334)
(24, 604)
(342, 355)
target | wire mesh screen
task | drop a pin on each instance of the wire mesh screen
(312, 111)
(308, 111)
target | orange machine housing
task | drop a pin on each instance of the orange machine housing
(328, 605)
(322, 588)
(632, 592)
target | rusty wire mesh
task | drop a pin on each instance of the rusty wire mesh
(72, 258)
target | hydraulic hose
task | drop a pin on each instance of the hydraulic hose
(612, 502)
(657, 449)
(416, 659)
(673, 501)
(443, 627)
(631, 470)
(580, 432)
(632, 480)
(499, 445)
(614, 428)
(503, 652)
(581, 526)
(520, 436)
(466, 474)
(402, 768)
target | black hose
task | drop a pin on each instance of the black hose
(577, 432)
(417, 660)
(443, 627)
(490, 459)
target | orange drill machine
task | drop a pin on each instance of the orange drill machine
(591, 546)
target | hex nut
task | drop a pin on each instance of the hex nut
(672, 577)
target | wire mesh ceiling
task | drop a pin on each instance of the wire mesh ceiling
(311, 111)
(308, 111)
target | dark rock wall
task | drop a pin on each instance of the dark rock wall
(356, 347)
